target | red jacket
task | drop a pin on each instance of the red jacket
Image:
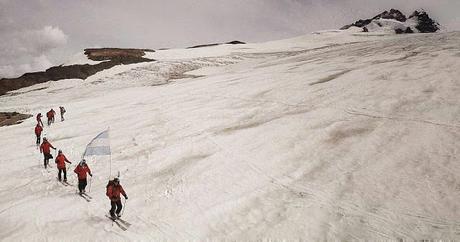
(38, 130)
(45, 147)
(113, 192)
(61, 160)
(82, 171)
(50, 114)
(39, 119)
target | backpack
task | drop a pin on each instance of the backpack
(109, 184)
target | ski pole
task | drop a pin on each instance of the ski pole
(89, 188)
(124, 208)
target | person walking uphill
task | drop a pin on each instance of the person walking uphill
(62, 110)
(38, 133)
(82, 169)
(50, 115)
(60, 161)
(114, 189)
(39, 119)
(45, 148)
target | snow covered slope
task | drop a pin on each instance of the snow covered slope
(333, 136)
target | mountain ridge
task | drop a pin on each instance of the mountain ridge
(421, 22)
(108, 57)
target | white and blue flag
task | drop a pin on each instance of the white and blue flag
(100, 145)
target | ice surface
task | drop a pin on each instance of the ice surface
(331, 136)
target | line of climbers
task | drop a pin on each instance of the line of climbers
(114, 190)
(50, 116)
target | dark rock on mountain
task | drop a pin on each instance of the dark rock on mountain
(235, 42)
(393, 14)
(409, 30)
(399, 31)
(360, 23)
(7, 118)
(101, 54)
(110, 56)
(425, 23)
(201, 46)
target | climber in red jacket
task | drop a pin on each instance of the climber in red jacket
(60, 161)
(45, 149)
(82, 169)
(114, 189)
(39, 119)
(38, 133)
(50, 115)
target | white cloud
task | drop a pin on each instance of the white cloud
(48, 38)
(26, 50)
(38, 63)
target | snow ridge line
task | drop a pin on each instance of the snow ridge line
(395, 118)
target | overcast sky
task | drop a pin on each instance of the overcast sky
(36, 34)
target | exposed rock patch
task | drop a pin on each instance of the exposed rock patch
(425, 23)
(7, 119)
(102, 54)
(392, 14)
(235, 42)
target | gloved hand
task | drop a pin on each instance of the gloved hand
(126, 197)
(54, 148)
(91, 175)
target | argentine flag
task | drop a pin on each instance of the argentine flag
(100, 145)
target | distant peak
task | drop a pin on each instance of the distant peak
(395, 21)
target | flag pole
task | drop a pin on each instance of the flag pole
(110, 162)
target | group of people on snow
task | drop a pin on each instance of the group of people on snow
(113, 189)
(50, 116)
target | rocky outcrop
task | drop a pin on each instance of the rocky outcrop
(235, 42)
(419, 20)
(425, 23)
(102, 54)
(392, 14)
(110, 57)
(7, 119)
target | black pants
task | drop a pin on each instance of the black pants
(46, 159)
(82, 184)
(65, 174)
(115, 205)
(38, 140)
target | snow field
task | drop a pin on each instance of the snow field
(330, 136)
